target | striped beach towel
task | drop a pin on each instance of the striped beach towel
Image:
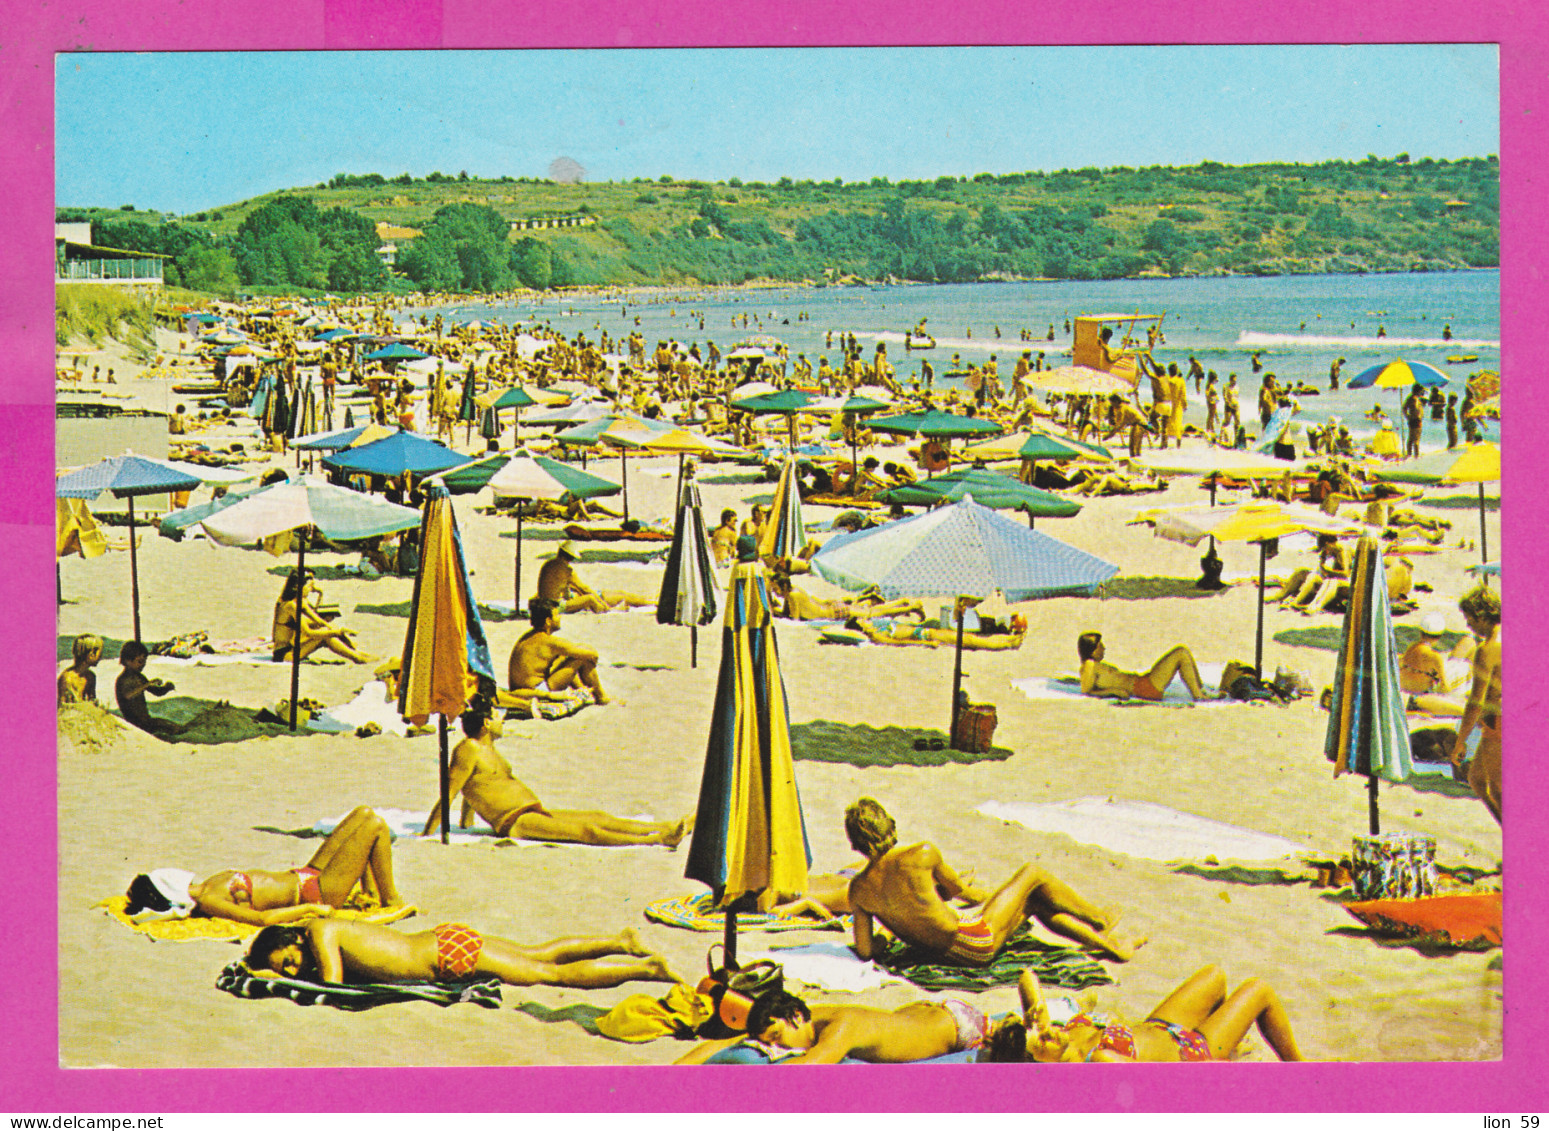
(698, 913)
(236, 979)
(1055, 965)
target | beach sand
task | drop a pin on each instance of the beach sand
(141, 804)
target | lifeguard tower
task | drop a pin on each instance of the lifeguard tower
(1120, 358)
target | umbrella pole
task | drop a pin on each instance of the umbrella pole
(1258, 637)
(1484, 546)
(517, 588)
(1213, 478)
(855, 465)
(1371, 802)
(134, 571)
(624, 479)
(295, 644)
(957, 679)
(693, 645)
(446, 782)
(730, 938)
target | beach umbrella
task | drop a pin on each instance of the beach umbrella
(1367, 731)
(277, 410)
(620, 429)
(750, 841)
(402, 453)
(127, 477)
(988, 488)
(688, 586)
(964, 550)
(785, 532)
(1398, 374)
(1257, 521)
(395, 351)
(347, 437)
(935, 424)
(1038, 444)
(282, 513)
(513, 397)
(445, 651)
(786, 402)
(1078, 379)
(1477, 463)
(857, 406)
(467, 408)
(526, 476)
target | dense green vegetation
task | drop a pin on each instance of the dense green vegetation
(1335, 217)
(85, 311)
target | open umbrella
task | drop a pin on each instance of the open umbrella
(297, 508)
(750, 841)
(445, 652)
(395, 351)
(935, 424)
(965, 550)
(526, 476)
(127, 477)
(1398, 374)
(1477, 463)
(622, 430)
(1367, 732)
(1038, 444)
(688, 586)
(347, 437)
(1257, 521)
(988, 488)
(854, 407)
(786, 402)
(402, 453)
(1078, 379)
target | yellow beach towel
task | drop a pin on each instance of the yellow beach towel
(203, 927)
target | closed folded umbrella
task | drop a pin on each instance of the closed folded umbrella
(1367, 731)
(688, 585)
(785, 531)
(750, 841)
(126, 477)
(445, 651)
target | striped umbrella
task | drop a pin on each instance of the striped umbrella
(749, 837)
(1367, 733)
(445, 651)
(1398, 374)
(526, 476)
(784, 533)
(688, 586)
(126, 476)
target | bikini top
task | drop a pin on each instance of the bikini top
(240, 881)
(1113, 1037)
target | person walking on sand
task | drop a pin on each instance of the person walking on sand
(541, 661)
(1104, 681)
(488, 787)
(906, 889)
(337, 951)
(1482, 611)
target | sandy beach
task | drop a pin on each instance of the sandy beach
(140, 803)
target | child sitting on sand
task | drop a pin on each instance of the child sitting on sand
(131, 687)
(78, 683)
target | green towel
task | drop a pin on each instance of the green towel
(1055, 965)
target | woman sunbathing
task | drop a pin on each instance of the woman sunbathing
(1196, 1022)
(358, 851)
(335, 950)
(902, 635)
(316, 632)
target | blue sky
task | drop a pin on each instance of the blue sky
(182, 132)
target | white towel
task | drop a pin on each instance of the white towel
(830, 966)
(1069, 687)
(1139, 828)
(408, 823)
(371, 705)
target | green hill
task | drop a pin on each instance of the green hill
(1335, 217)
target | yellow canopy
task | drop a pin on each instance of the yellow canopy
(76, 531)
(1480, 463)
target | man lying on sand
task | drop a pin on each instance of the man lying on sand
(542, 662)
(489, 788)
(557, 582)
(1105, 681)
(338, 950)
(901, 635)
(906, 889)
(130, 690)
(826, 1034)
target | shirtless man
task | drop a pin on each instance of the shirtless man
(488, 788)
(906, 889)
(904, 635)
(542, 661)
(1482, 610)
(557, 582)
(1105, 681)
(796, 604)
(1422, 670)
(131, 687)
(723, 539)
(826, 1034)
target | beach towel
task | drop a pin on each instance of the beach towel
(236, 979)
(755, 1052)
(1054, 964)
(370, 705)
(698, 913)
(407, 823)
(856, 744)
(228, 930)
(1454, 922)
(829, 966)
(1068, 687)
(574, 701)
(1139, 828)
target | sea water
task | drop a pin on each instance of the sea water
(1297, 324)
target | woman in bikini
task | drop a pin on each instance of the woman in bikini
(316, 632)
(338, 950)
(358, 851)
(1198, 1021)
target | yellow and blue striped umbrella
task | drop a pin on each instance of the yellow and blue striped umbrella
(1367, 732)
(749, 836)
(1398, 374)
(785, 533)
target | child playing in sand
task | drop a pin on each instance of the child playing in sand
(335, 950)
(78, 682)
(130, 690)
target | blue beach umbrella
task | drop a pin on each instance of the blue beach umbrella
(403, 453)
(1367, 732)
(396, 351)
(1398, 374)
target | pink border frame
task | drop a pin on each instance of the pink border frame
(30, 1078)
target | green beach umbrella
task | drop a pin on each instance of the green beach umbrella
(988, 488)
(526, 476)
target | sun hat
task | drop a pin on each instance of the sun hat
(567, 547)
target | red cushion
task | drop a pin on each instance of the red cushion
(1470, 921)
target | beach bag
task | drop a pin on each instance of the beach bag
(732, 990)
(975, 729)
